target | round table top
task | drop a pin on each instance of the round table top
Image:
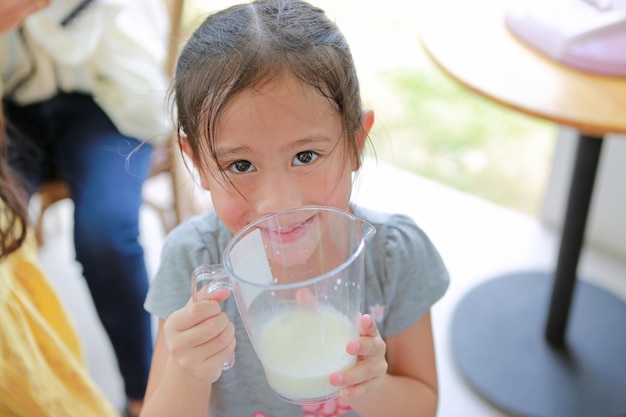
(471, 42)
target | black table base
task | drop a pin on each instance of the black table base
(500, 348)
(548, 345)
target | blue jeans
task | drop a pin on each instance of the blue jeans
(72, 137)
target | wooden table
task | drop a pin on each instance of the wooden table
(532, 343)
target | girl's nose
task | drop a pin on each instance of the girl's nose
(277, 192)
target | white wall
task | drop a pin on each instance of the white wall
(606, 226)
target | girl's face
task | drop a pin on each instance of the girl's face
(280, 147)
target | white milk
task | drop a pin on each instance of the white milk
(301, 348)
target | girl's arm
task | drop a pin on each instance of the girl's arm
(409, 387)
(190, 350)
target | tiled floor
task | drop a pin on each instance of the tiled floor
(477, 239)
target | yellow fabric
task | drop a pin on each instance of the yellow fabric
(42, 370)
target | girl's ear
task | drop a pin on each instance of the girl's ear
(367, 121)
(184, 145)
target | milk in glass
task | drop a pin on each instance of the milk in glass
(302, 347)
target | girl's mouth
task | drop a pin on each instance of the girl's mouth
(291, 232)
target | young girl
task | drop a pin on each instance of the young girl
(268, 100)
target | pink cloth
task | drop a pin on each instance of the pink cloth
(573, 32)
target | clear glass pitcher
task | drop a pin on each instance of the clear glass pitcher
(297, 279)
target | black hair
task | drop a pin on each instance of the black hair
(249, 45)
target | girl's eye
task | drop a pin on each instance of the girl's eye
(304, 158)
(241, 166)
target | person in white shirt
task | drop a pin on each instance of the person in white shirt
(83, 87)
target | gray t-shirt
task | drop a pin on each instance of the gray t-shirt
(404, 277)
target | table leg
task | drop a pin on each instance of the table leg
(581, 190)
(575, 366)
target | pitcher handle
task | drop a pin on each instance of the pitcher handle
(206, 279)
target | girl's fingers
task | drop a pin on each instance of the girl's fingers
(370, 348)
(200, 338)
(306, 299)
(207, 361)
(369, 343)
(191, 315)
(200, 324)
(215, 328)
(220, 347)
(368, 326)
(218, 295)
(364, 371)
(366, 347)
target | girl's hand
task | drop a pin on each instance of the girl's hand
(366, 376)
(13, 12)
(200, 337)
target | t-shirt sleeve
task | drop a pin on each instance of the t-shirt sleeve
(414, 275)
(182, 252)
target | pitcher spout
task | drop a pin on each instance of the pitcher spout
(368, 231)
